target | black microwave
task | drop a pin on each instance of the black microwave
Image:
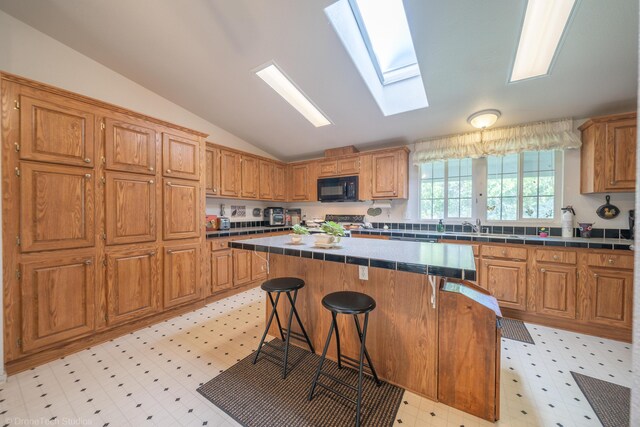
(342, 189)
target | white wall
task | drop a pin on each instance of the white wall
(213, 208)
(29, 53)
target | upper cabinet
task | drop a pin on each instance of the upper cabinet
(342, 166)
(212, 176)
(267, 180)
(229, 173)
(300, 182)
(279, 182)
(608, 154)
(389, 174)
(249, 176)
(130, 147)
(55, 130)
(182, 215)
(130, 214)
(180, 157)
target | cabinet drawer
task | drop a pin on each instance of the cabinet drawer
(548, 255)
(606, 260)
(504, 252)
(219, 244)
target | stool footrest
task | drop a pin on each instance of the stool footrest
(344, 396)
(275, 359)
(294, 334)
(352, 363)
(338, 380)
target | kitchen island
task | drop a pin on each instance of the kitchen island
(407, 345)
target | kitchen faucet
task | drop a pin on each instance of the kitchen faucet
(477, 228)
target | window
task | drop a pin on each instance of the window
(446, 189)
(521, 186)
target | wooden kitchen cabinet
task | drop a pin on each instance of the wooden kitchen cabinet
(130, 214)
(267, 180)
(249, 177)
(212, 170)
(389, 174)
(181, 274)
(132, 284)
(506, 280)
(279, 182)
(130, 146)
(182, 216)
(56, 207)
(221, 270)
(300, 175)
(54, 129)
(327, 168)
(242, 267)
(609, 291)
(608, 154)
(229, 173)
(339, 167)
(259, 266)
(556, 289)
(58, 299)
(180, 157)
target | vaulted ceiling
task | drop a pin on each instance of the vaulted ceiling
(200, 54)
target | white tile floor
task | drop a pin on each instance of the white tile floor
(150, 377)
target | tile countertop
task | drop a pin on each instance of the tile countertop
(448, 260)
(571, 242)
(245, 231)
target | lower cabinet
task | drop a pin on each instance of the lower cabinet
(132, 284)
(242, 266)
(181, 274)
(556, 287)
(506, 280)
(258, 266)
(221, 270)
(58, 299)
(609, 297)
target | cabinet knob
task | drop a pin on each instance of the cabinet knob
(152, 253)
(169, 251)
(611, 260)
(612, 182)
(151, 168)
(504, 252)
(169, 183)
(595, 275)
(555, 257)
(168, 170)
(87, 160)
(151, 181)
(87, 175)
(542, 270)
(214, 191)
(88, 262)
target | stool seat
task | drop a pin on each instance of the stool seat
(348, 302)
(282, 284)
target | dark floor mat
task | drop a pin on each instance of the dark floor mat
(611, 402)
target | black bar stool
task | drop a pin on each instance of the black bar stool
(354, 303)
(278, 286)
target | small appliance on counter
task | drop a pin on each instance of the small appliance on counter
(274, 216)
(293, 216)
(211, 222)
(224, 223)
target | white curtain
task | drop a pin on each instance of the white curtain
(538, 136)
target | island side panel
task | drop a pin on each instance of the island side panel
(402, 336)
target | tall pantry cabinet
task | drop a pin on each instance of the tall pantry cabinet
(102, 218)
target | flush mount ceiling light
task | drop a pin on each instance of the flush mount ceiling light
(544, 24)
(275, 78)
(483, 119)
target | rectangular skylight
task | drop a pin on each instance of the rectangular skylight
(275, 78)
(544, 24)
(385, 31)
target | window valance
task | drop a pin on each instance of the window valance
(537, 136)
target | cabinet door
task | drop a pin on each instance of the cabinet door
(241, 267)
(56, 207)
(258, 266)
(328, 168)
(58, 300)
(556, 290)
(181, 274)
(221, 270)
(349, 166)
(55, 131)
(229, 174)
(182, 217)
(267, 180)
(130, 208)
(610, 297)
(249, 176)
(132, 284)
(279, 187)
(620, 155)
(212, 180)
(130, 147)
(506, 280)
(180, 157)
(384, 175)
(300, 182)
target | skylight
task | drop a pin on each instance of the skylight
(376, 35)
(275, 78)
(385, 31)
(544, 24)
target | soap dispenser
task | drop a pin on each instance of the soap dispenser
(440, 227)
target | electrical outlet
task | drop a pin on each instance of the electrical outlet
(363, 272)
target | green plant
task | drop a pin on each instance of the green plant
(332, 228)
(299, 229)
